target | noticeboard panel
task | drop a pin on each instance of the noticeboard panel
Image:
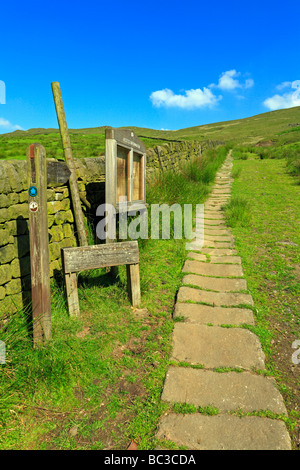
(125, 168)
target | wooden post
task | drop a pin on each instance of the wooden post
(69, 160)
(72, 294)
(133, 284)
(39, 242)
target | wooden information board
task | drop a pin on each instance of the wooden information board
(125, 168)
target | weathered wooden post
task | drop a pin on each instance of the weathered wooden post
(39, 242)
(69, 160)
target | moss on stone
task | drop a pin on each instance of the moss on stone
(7, 253)
(57, 233)
(54, 207)
(5, 273)
(54, 251)
(20, 267)
(2, 292)
(4, 215)
(68, 232)
(5, 237)
(18, 210)
(13, 287)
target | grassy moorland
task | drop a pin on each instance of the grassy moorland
(276, 128)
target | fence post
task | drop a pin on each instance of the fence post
(69, 160)
(39, 242)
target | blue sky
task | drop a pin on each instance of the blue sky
(159, 64)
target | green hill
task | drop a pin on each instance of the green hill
(276, 128)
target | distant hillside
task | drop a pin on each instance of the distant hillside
(275, 127)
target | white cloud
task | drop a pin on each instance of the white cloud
(189, 100)
(283, 85)
(287, 100)
(229, 81)
(9, 126)
(200, 98)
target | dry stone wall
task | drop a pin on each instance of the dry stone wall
(171, 155)
(15, 280)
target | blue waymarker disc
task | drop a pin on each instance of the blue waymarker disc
(32, 191)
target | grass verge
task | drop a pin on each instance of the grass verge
(266, 230)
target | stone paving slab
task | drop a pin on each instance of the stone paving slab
(200, 232)
(220, 198)
(213, 215)
(218, 238)
(219, 251)
(216, 231)
(199, 245)
(220, 191)
(211, 201)
(215, 259)
(215, 283)
(215, 206)
(224, 432)
(224, 180)
(226, 391)
(204, 314)
(214, 346)
(216, 270)
(216, 222)
(226, 259)
(220, 299)
(213, 244)
(197, 256)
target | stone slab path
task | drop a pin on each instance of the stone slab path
(217, 361)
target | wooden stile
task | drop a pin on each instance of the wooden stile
(69, 160)
(99, 256)
(39, 242)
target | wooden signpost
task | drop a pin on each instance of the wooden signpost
(99, 256)
(40, 174)
(39, 242)
(69, 160)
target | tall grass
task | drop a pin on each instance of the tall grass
(237, 212)
(191, 183)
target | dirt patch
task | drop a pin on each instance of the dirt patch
(266, 143)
